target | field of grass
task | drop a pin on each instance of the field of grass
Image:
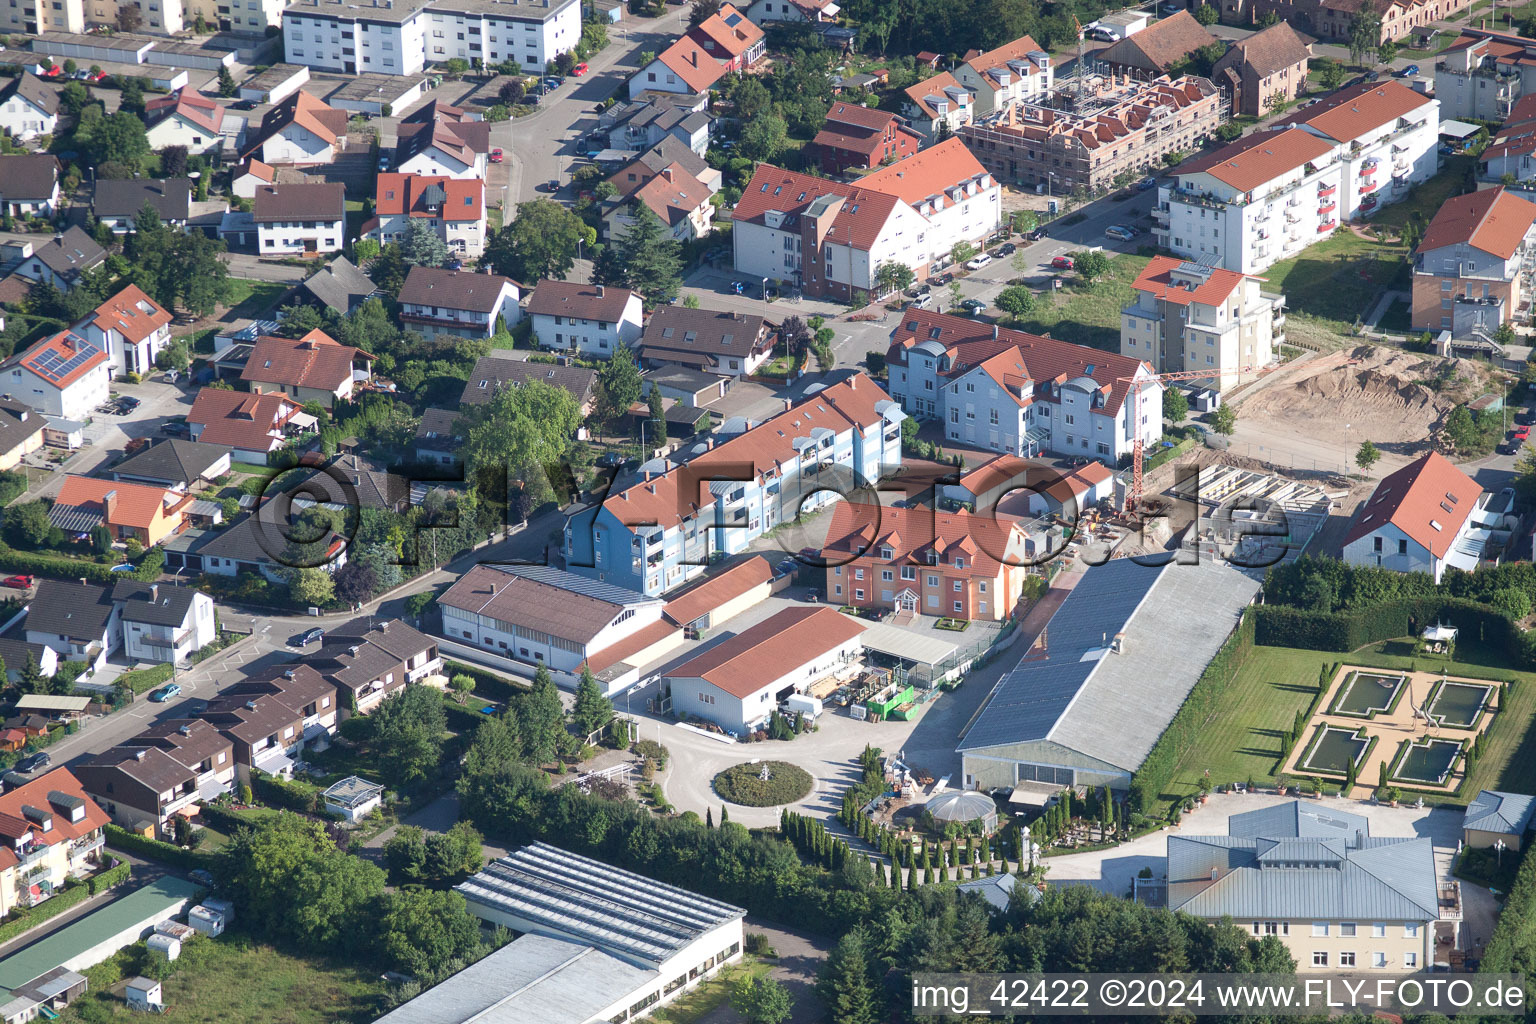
(1338, 279)
(711, 995)
(252, 298)
(1089, 314)
(237, 980)
(1242, 738)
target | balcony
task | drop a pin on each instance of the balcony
(1277, 322)
(1160, 214)
(1326, 190)
(1327, 226)
(1369, 165)
(1326, 208)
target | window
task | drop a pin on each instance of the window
(858, 595)
(838, 589)
(1410, 931)
(1347, 929)
(1411, 961)
(886, 575)
(858, 574)
(1319, 929)
(1378, 931)
(1378, 959)
(1319, 958)
(1346, 959)
(933, 581)
(706, 698)
(957, 586)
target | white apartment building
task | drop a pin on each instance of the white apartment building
(38, 16)
(1271, 194)
(1483, 74)
(1010, 74)
(402, 37)
(1194, 316)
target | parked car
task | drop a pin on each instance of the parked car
(18, 582)
(920, 289)
(979, 262)
(243, 105)
(1007, 249)
(579, 69)
(973, 306)
(1409, 71)
(165, 693)
(552, 185)
(944, 279)
(53, 72)
(383, 164)
(1035, 235)
(128, 403)
(1120, 232)
(97, 76)
(1522, 433)
(307, 637)
(1508, 448)
(33, 762)
(497, 156)
(923, 301)
(176, 428)
(1145, 183)
(1062, 262)
(202, 876)
(553, 83)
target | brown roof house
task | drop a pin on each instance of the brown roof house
(1267, 68)
(299, 220)
(728, 343)
(369, 659)
(862, 138)
(160, 773)
(678, 199)
(593, 319)
(314, 368)
(458, 304)
(501, 370)
(272, 716)
(1151, 52)
(302, 130)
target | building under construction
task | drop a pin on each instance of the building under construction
(1093, 129)
(1251, 518)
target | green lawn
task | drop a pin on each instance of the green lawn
(712, 994)
(236, 980)
(1338, 279)
(254, 298)
(1242, 738)
(1089, 314)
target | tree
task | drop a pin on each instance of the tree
(961, 252)
(1225, 420)
(202, 282)
(1364, 34)
(27, 525)
(702, 11)
(32, 678)
(512, 92)
(405, 854)
(421, 246)
(618, 385)
(73, 98)
(893, 277)
(592, 710)
(656, 415)
(1016, 300)
(115, 138)
(1175, 405)
(542, 242)
(1331, 73)
(644, 258)
(129, 18)
(763, 138)
(1367, 456)
(356, 582)
(1090, 265)
(846, 984)
(761, 1002)
(751, 97)
(1206, 14)
(407, 734)
(424, 934)
(541, 718)
(521, 434)
(227, 86)
(310, 587)
(1386, 53)
(173, 162)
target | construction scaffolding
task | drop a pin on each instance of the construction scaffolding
(1253, 518)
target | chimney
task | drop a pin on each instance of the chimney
(1215, 874)
(994, 332)
(600, 287)
(154, 593)
(666, 172)
(109, 504)
(853, 383)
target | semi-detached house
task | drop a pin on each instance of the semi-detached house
(185, 119)
(593, 319)
(162, 623)
(664, 528)
(939, 105)
(1425, 517)
(1008, 391)
(457, 303)
(252, 426)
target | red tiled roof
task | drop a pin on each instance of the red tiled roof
(265, 172)
(863, 530)
(1357, 109)
(743, 664)
(1158, 276)
(707, 595)
(858, 221)
(729, 30)
(1269, 50)
(647, 636)
(132, 314)
(1428, 499)
(36, 794)
(692, 63)
(1160, 44)
(189, 106)
(306, 111)
(1258, 158)
(240, 420)
(464, 198)
(928, 174)
(1492, 220)
(1020, 48)
(314, 361)
(136, 505)
(942, 84)
(58, 351)
(672, 194)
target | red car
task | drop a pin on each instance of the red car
(1063, 262)
(1522, 433)
(17, 582)
(97, 76)
(496, 155)
(53, 72)
(579, 69)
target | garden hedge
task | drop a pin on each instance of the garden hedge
(119, 838)
(23, 918)
(1512, 948)
(487, 685)
(276, 792)
(1283, 626)
(104, 880)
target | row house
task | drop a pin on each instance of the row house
(862, 138)
(131, 328)
(1333, 21)
(1271, 194)
(664, 528)
(300, 220)
(592, 319)
(458, 304)
(1474, 268)
(1015, 72)
(274, 715)
(1127, 128)
(302, 130)
(1482, 75)
(954, 564)
(724, 42)
(1020, 394)
(161, 773)
(315, 368)
(1193, 316)
(453, 208)
(369, 660)
(50, 832)
(403, 37)
(830, 239)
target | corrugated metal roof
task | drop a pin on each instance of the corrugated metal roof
(1492, 811)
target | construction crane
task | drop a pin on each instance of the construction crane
(1133, 496)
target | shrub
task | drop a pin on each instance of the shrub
(742, 784)
(652, 751)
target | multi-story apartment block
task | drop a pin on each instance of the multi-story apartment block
(1267, 68)
(1127, 126)
(1007, 391)
(1194, 316)
(50, 831)
(1013, 73)
(954, 564)
(1271, 194)
(35, 17)
(1474, 267)
(1512, 150)
(435, 302)
(402, 37)
(831, 238)
(664, 528)
(1333, 20)
(1482, 74)
(939, 106)
(453, 208)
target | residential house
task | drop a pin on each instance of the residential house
(457, 303)
(439, 438)
(1190, 316)
(643, 124)
(1126, 127)
(340, 286)
(256, 544)
(371, 483)
(50, 832)
(28, 107)
(1422, 518)
(939, 106)
(130, 328)
(252, 426)
(1269, 195)
(545, 616)
(1336, 896)
(64, 376)
(664, 528)
(676, 198)
(861, 139)
(15, 652)
(740, 681)
(666, 153)
(958, 198)
(1472, 270)
(726, 343)
(301, 130)
(31, 185)
(160, 774)
(138, 511)
(437, 141)
(314, 368)
(184, 119)
(816, 12)
(593, 319)
(724, 42)
(271, 717)
(1498, 820)
(80, 621)
(300, 220)
(958, 565)
(175, 465)
(1015, 72)
(1154, 52)
(21, 432)
(1512, 148)
(199, 746)
(251, 175)
(1333, 20)
(60, 262)
(499, 369)
(1018, 393)
(1266, 69)
(453, 208)
(370, 659)
(162, 623)
(1483, 75)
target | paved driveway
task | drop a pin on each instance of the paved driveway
(799, 959)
